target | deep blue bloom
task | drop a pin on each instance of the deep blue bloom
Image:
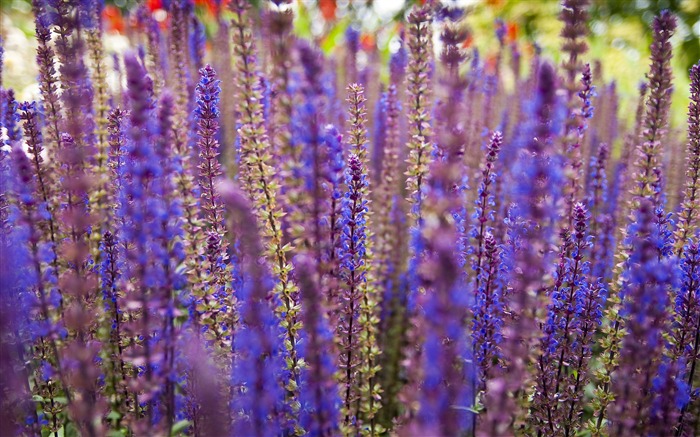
(319, 395)
(9, 116)
(647, 280)
(257, 370)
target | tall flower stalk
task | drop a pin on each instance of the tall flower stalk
(688, 220)
(646, 301)
(216, 300)
(644, 181)
(262, 189)
(256, 371)
(419, 107)
(535, 203)
(354, 276)
(686, 327)
(320, 398)
(657, 106)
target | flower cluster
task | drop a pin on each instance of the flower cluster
(196, 249)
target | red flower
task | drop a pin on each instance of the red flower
(112, 15)
(328, 8)
(512, 33)
(154, 5)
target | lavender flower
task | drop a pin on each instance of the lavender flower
(600, 228)
(574, 15)
(646, 178)
(320, 397)
(646, 299)
(258, 366)
(562, 323)
(115, 363)
(686, 324)
(334, 152)
(358, 190)
(688, 220)
(484, 213)
(10, 116)
(312, 200)
(39, 294)
(143, 295)
(575, 129)
(536, 203)
(417, 78)
(671, 398)
(657, 107)
(352, 39)
(387, 236)
(206, 116)
(19, 411)
(99, 197)
(488, 312)
(354, 274)
(255, 152)
(445, 394)
(444, 351)
(44, 179)
(143, 228)
(590, 314)
(48, 82)
(451, 139)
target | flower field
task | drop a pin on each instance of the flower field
(216, 223)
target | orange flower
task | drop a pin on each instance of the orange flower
(367, 41)
(468, 41)
(328, 8)
(112, 15)
(512, 33)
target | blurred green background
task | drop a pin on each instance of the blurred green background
(620, 34)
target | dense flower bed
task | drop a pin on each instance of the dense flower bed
(287, 242)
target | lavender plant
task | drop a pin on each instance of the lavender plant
(195, 249)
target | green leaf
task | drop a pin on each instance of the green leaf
(71, 430)
(302, 23)
(179, 427)
(335, 35)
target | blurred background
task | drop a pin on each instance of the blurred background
(620, 34)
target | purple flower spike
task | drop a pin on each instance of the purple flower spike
(563, 324)
(686, 328)
(215, 277)
(535, 203)
(419, 112)
(484, 213)
(10, 117)
(353, 273)
(143, 293)
(320, 395)
(258, 368)
(646, 300)
(688, 216)
(657, 107)
(207, 121)
(488, 312)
